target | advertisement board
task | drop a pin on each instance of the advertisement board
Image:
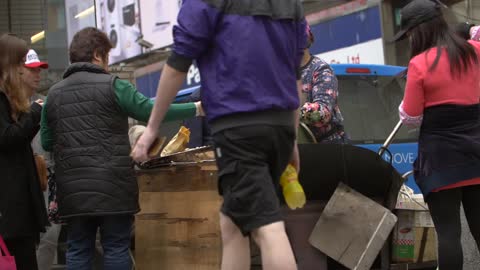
(79, 14)
(351, 39)
(136, 26)
(157, 19)
(120, 20)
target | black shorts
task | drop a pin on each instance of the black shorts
(250, 162)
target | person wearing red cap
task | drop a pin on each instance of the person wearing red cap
(31, 75)
(31, 78)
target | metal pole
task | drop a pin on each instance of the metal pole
(390, 138)
(9, 12)
(407, 174)
(470, 10)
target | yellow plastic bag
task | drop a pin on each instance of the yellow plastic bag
(292, 189)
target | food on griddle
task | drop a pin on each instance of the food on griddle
(178, 143)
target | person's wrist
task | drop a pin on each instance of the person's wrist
(197, 108)
(151, 131)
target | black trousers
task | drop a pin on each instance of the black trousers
(23, 249)
(445, 210)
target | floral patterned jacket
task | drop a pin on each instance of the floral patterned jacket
(320, 111)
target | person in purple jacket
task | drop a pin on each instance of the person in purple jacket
(249, 54)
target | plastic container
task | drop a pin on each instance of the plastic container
(292, 189)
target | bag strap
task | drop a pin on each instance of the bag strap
(3, 248)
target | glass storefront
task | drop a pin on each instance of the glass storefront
(47, 25)
(64, 19)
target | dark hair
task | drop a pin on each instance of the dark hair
(463, 29)
(86, 43)
(13, 51)
(310, 36)
(437, 33)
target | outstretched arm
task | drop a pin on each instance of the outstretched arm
(192, 37)
(318, 112)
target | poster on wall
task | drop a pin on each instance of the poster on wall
(79, 14)
(120, 20)
(157, 19)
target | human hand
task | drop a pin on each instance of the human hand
(39, 102)
(295, 161)
(140, 150)
(200, 111)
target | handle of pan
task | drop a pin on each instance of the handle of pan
(389, 140)
(407, 174)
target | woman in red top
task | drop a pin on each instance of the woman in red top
(442, 95)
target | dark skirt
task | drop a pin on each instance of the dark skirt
(448, 146)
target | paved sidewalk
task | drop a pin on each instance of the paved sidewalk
(470, 251)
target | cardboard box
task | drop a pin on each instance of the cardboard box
(414, 202)
(352, 229)
(414, 237)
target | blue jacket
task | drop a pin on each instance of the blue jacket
(248, 52)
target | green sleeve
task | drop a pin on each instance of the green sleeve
(46, 136)
(139, 107)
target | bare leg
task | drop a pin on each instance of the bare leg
(236, 247)
(275, 247)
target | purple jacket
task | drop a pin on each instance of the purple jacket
(248, 53)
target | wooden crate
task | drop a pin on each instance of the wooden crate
(178, 226)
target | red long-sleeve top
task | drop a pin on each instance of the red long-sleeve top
(429, 88)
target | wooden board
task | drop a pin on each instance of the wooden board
(178, 226)
(173, 179)
(352, 229)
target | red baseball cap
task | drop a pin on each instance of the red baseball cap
(32, 60)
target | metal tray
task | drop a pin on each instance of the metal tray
(192, 156)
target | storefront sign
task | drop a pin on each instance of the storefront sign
(370, 52)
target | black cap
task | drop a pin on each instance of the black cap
(415, 13)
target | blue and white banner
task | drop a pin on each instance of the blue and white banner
(148, 84)
(351, 39)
